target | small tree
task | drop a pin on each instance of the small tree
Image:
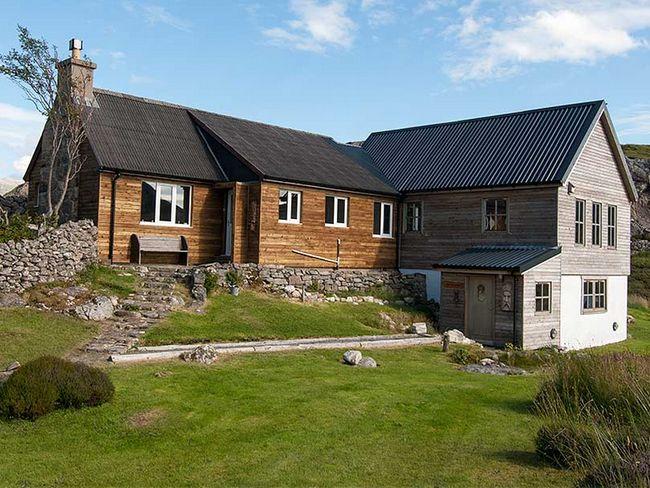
(33, 67)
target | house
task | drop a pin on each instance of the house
(521, 221)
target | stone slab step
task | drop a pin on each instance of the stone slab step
(156, 353)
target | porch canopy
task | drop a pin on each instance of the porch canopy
(510, 258)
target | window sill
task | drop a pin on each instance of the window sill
(382, 237)
(166, 224)
(289, 222)
(338, 226)
(593, 311)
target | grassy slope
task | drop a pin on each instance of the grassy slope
(252, 316)
(291, 419)
(105, 280)
(639, 282)
(636, 150)
(638, 333)
(26, 334)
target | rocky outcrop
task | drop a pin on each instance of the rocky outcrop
(640, 170)
(57, 254)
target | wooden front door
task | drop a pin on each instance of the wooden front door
(480, 308)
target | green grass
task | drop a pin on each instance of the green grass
(636, 151)
(639, 282)
(26, 334)
(255, 316)
(638, 334)
(290, 420)
(108, 281)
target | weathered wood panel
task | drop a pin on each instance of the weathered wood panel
(538, 325)
(595, 178)
(359, 249)
(452, 222)
(246, 223)
(204, 236)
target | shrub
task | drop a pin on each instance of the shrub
(565, 444)
(467, 355)
(211, 282)
(609, 387)
(529, 359)
(16, 228)
(47, 383)
(631, 471)
(234, 278)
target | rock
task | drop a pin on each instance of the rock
(176, 302)
(75, 291)
(100, 308)
(131, 314)
(352, 357)
(10, 300)
(13, 366)
(199, 293)
(630, 320)
(418, 328)
(289, 289)
(457, 337)
(367, 362)
(486, 362)
(202, 354)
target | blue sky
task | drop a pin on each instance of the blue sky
(346, 67)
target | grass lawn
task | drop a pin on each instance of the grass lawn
(26, 334)
(290, 419)
(638, 334)
(108, 281)
(254, 316)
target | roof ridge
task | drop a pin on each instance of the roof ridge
(163, 103)
(488, 117)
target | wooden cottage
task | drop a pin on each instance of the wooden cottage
(521, 221)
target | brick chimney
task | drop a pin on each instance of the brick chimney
(76, 74)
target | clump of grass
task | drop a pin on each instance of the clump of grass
(212, 282)
(467, 355)
(47, 383)
(597, 408)
(106, 280)
(538, 358)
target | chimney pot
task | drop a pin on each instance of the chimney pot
(75, 46)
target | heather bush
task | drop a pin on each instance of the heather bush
(48, 383)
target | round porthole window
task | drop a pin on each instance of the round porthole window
(615, 326)
(553, 333)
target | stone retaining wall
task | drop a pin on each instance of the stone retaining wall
(58, 254)
(291, 281)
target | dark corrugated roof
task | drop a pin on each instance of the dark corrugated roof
(296, 156)
(523, 148)
(147, 136)
(499, 258)
(130, 134)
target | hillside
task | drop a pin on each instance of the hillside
(640, 169)
(637, 151)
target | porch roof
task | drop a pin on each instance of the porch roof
(512, 258)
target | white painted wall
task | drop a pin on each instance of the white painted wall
(433, 281)
(577, 330)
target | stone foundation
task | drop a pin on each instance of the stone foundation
(292, 281)
(58, 254)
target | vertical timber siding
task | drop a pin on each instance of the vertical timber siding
(538, 325)
(204, 236)
(596, 178)
(359, 249)
(246, 218)
(452, 222)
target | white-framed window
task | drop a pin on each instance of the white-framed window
(289, 206)
(543, 297)
(611, 226)
(165, 204)
(596, 223)
(413, 217)
(580, 222)
(336, 211)
(382, 225)
(594, 295)
(495, 215)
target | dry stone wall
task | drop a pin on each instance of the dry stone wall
(291, 281)
(58, 254)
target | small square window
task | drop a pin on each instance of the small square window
(383, 219)
(289, 206)
(594, 295)
(336, 211)
(495, 215)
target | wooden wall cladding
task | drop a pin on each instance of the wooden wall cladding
(204, 236)
(359, 249)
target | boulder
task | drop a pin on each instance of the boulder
(201, 354)
(486, 362)
(100, 308)
(199, 293)
(367, 362)
(630, 320)
(418, 328)
(457, 337)
(13, 366)
(9, 300)
(352, 357)
(495, 369)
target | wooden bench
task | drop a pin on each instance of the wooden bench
(176, 245)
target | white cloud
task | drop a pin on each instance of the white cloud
(636, 121)
(571, 31)
(20, 130)
(316, 27)
(379, 12)
(157, 14)
(141, 79)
